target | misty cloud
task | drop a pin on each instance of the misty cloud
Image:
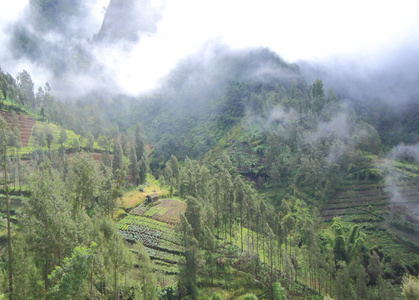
(205, 75)
(389, 77)
(337, 127)
(397, 186)
(137, 43)
(55, 41)
(406, 152)
(128, 21)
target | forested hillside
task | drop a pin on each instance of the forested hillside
(239, 175)
(266, 186)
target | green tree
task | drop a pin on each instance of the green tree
(116, 259)
(360, 279)
(109, 194)
(124, 144)
(117, 157)
(47, 224)
(193, 215)
(143, 272)
(289, 223)
(339, 243)
(26, 86)
(85, 181)
(25, 272)
(63, 137)
(3, 128)
(239, 191)
(375, 268)
(49, 136)
(317, 95)
(143, 170)
(189, 265)
(133, 166)
(344, 287)
(76, 145)
(139, 138)
(90, 142)
(173, 168)
(39, 137)
(410, 287)
(71, 280)
(385, 290)
(279, 292)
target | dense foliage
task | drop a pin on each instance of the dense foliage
(281, 188)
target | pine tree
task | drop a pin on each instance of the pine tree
(139, 139)
(117, 157)
(63, 137)
(133, 167)
(189, 265)
(3, 128)
(239, 191)
(193, 215)
(76, 145)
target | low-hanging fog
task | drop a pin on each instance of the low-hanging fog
(128, 47)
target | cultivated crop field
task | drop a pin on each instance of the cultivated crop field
(25, 123)
(360, 198)
(380, 207)
(154, 225)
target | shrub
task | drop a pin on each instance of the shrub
(217, 296)
(250, 297)
(279, 292)
(410, 287)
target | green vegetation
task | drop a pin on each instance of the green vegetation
(263, 189)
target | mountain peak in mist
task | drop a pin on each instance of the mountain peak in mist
(128, 20)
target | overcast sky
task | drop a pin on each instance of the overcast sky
(296, 30)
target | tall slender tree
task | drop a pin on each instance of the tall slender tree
(239, 191)
(3, 128)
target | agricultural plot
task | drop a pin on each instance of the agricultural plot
(56, 130)
(26, 123)
(398, 186)
(359, 199)
(136, 198)
(381, 208)
(154, 226)
(166, 211)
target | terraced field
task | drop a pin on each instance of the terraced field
(360, 198)
(26, 124)
(395, 191)
(154, 226)
(381, 208)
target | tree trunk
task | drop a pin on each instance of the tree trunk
(19, 171)
(241, 228)
(9, 235)
(116, 286)
(91, 279)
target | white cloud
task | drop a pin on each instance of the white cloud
(301, 29)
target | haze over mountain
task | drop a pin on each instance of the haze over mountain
(358, 48)
(209, 149)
